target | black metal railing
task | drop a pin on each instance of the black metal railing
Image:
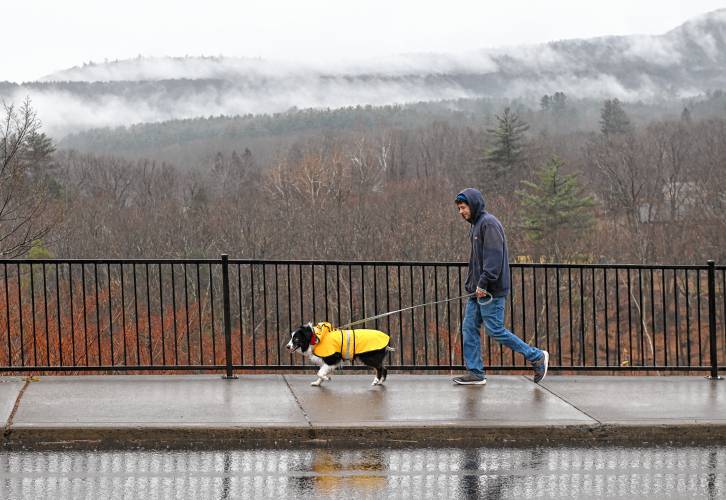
(222, 314)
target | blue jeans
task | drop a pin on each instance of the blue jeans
(492, 315)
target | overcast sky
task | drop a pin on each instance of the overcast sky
(44, 36)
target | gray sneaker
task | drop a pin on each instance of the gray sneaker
(470, 379)
(540, 367)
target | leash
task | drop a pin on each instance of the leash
(371, 318)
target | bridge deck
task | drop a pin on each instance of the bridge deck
(284, 410)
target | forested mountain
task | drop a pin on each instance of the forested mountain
(687, 61)
(603, 150)
(189, 143)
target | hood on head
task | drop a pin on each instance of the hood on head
(475, 200)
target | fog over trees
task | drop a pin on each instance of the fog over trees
(380, 187)
(604, 150)
(682, 63)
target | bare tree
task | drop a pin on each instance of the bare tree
(629, 187)
(24, 193)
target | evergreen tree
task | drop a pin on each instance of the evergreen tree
(25, 158)
(507, 151)
(544, 103)
(556, 212)
(613, 119)
(559, 102)
(38, 151)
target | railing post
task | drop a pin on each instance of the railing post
(227, 319)
(712, 319)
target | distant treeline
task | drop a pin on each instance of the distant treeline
(189, 143)
(378, 184)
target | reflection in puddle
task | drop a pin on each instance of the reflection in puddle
(332, 473)
(370, 473)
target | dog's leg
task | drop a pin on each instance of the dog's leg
(381, 373)
(319, 362)
(327, 370)
(323, 374)
(377, 379)
(321, 377)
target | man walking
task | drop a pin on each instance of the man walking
(488, 276)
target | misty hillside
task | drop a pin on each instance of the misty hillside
(689, 60)
(190, 142)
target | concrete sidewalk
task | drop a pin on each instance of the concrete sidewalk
(284, 410)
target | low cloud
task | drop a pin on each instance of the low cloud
(156, 89)
(656, 50)
(64, 112)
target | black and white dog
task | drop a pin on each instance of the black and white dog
(329, 347)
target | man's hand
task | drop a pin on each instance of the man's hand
(481, 293)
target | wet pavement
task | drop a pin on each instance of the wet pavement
(206, 411)
(487, 472)
(431, 399)
(123, 401)
(644, 400)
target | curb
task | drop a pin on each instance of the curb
(203, 437)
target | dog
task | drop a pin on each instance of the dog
(328, 347)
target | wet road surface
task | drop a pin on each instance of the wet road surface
(608, 472)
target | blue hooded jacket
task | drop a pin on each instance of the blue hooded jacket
(489, 258)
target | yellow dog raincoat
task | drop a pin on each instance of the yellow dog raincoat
(348, 343)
